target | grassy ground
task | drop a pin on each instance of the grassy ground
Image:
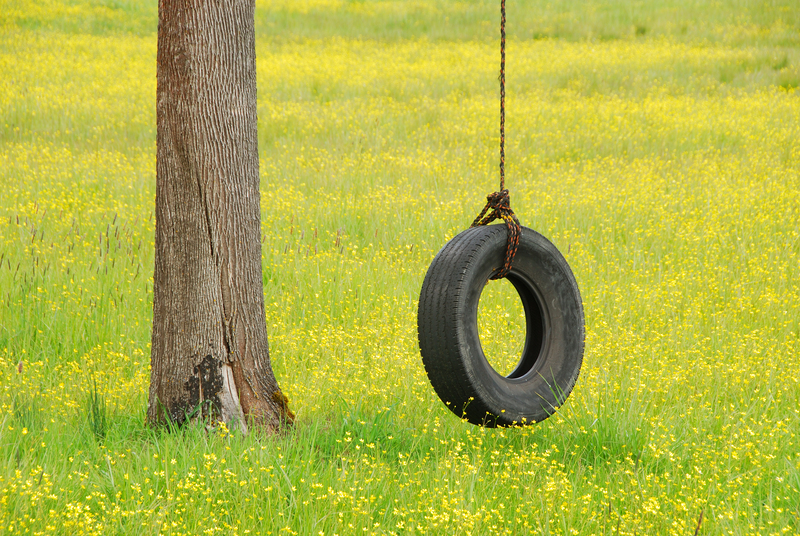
(655, 143)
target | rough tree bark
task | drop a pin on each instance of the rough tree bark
(209, 357)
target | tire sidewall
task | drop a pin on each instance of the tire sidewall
(541, 274)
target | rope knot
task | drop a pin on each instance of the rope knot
(500, 203)
(499, 200)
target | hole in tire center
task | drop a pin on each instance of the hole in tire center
(501, 325)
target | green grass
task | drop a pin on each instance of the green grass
(656, 144)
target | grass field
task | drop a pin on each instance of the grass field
(657, 144)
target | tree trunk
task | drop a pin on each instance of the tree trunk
(209, 356)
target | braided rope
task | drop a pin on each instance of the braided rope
(500, 202)
(502, 94)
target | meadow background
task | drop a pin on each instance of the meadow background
(657, 144)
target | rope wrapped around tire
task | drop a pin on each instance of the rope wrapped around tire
(447, 326)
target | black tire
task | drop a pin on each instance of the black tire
(447, 326)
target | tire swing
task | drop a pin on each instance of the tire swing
(447, 316)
